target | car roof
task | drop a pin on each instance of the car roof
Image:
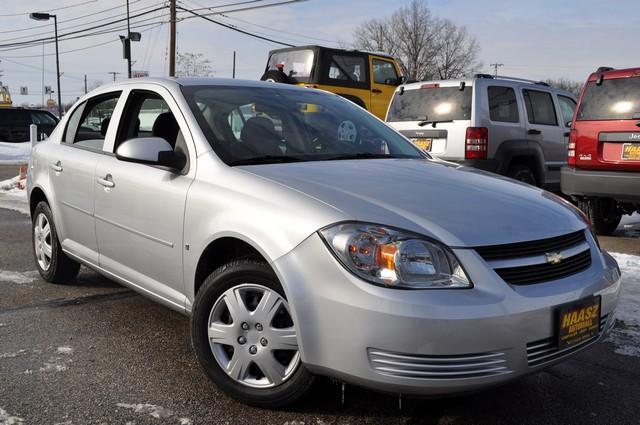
(173, 82)
(507, 81)
(614, 73)
(334, 49)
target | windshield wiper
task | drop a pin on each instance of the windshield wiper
(266, 159)
(432, 122)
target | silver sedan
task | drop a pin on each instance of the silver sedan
(305, 237)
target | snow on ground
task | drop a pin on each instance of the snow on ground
(19, 278)
(154, 411)
(626, 334)
(14, 153)
(629, 226)
(8, 419)
(12, 197)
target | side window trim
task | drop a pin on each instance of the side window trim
(78, 108)
(525, 96)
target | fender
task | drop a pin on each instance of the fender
(521, 148)
(355, 99)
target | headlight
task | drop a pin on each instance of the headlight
(393, 258)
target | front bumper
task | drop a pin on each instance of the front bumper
(372, 336)
(620, 185)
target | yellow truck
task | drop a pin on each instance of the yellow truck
(367, 79)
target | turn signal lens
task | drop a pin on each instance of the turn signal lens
(394, 258)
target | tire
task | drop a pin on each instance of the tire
(220, 353)
(603, 213)
(523, 173)
(275, 76)
(53, 264)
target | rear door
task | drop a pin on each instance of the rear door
(608, 124)
(543, 128)
(71, 172)
(446, 106)
(385, 79)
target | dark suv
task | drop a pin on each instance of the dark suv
(15, 122)
(603, 172)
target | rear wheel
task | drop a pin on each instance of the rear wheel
(603, 213)
(243, 334)
(523, 173)
(53, 264)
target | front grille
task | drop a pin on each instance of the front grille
(527, 263)
(546, 350)
(530, 248)
(437, 366)
(544, 272)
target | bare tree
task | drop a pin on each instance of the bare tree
(193, 65)
(427, 47)
(571, 86)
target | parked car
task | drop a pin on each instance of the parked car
(603, 172)
(510, 126)
(317, 241)
(15, 122)
(366, 79)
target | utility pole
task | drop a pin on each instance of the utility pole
(495, 68)
(234, 64)
(42, 74)
(114, 73)
(85, 83)
(172, 38)
(129, 37)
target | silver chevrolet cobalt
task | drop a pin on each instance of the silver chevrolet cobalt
(305, 237)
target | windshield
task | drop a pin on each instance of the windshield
(251, 125)
(296, 63)
(431, 104)
(615, 99)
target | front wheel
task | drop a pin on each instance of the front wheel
(244, 337)
(53, 264)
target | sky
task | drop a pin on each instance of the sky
(533, 39)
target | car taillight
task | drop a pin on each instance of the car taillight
(571, 153)
(476, 143)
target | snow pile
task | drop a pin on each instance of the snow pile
(629, 226)
(12, 197)
(154, 411)
(14, 153)
(7, 419)
(626, 334)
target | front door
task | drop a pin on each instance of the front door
(385, 79)
(139, 209)
(71, 174)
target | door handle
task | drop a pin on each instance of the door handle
(377, 91)
(57, 167)
(534, 131)
(106, 181)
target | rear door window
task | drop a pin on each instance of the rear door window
(567, 107)
(89, 123)
(614, 99)
(347, 69)
(503, 106)
(540, 109)
(433, 103)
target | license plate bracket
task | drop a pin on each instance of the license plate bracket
(578, 322)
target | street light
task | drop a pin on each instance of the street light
(45, 17)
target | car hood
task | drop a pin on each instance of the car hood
(460, 206)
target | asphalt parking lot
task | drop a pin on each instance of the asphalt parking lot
(93, 352)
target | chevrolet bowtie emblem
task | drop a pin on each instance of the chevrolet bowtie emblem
(554, 258)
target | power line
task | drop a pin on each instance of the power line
(51, 10)
(262, 6)
(61, 36)
(81, 48)
(233, 28)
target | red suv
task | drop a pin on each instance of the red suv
(603, 172)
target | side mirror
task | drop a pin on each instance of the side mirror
(568, 124)
(150, 150)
